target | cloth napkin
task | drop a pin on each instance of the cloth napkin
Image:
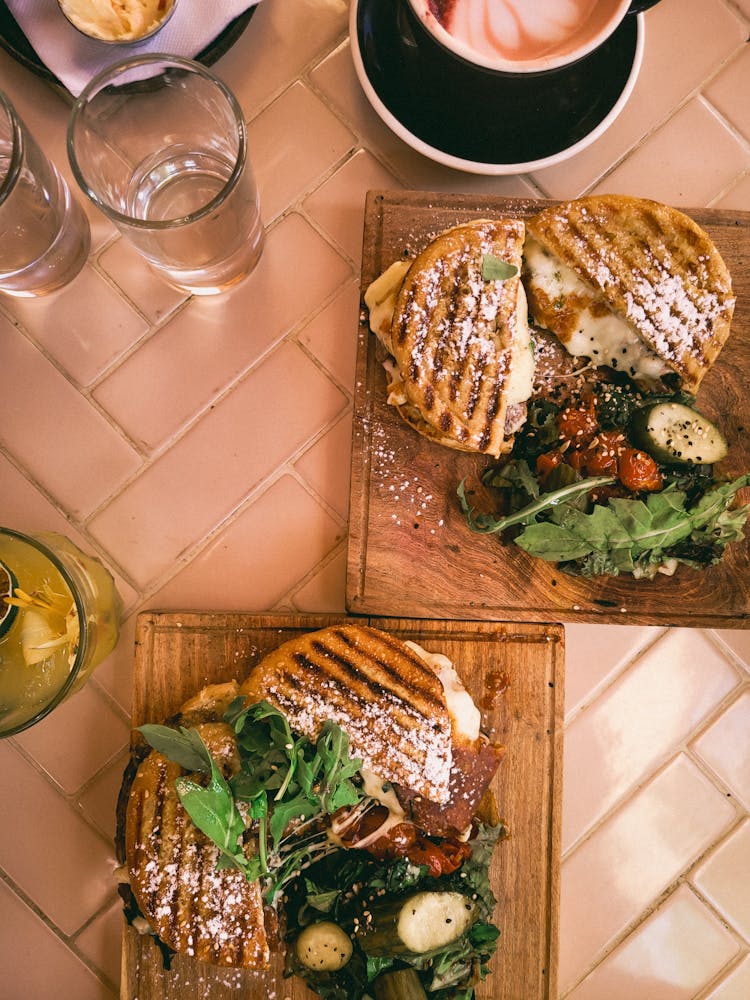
(75, 59)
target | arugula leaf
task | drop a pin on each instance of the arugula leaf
(183, 746)
(495, 269)
(486, 524)
(212, 809)
(300, 807)
(377, 964)
(626, 531)
(322, 901)
(338, 768)
(516, 477)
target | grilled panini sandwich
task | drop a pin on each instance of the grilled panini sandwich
(407, 716)
(405, 711)
(629, 283)
(215, 915)
(455, 325)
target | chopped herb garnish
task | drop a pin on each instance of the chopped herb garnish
(495, 269)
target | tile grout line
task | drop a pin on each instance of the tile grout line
(197, 416)
(671, 754)
(622, 937)
(696, 92)
(599, 691)
(147, 591)
(68, 940)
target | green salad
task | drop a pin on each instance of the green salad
(617, 484)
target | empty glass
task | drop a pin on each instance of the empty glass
(44, 234)
(158, 143)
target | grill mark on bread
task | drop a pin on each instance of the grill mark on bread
(397, 648)
(215, 916)
(352, 683)
(441, 345)
(647, 265)
(402, 325)
(156, 818)
(492, 407)
(649, 279)
(391, 704)
(654, 267)
(452, 330)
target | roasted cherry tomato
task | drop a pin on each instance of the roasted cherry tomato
(456, 851)
(546, 463)
(395, 843)
(576, 459)
(440, 859)
(577, 425)
(639, 472)
(368, 824)
(602, 457)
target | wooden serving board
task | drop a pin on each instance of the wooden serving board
(516, 675)
(410, 550)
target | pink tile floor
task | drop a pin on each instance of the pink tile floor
(201, 449)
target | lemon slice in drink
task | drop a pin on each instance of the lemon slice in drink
(40, 636)
(8, 612)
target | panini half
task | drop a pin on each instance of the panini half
(380, 691)
(629, 283)
(462, 367)
(212, 914)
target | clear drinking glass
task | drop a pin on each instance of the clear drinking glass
(59, 618)
(158, 143)
(44, 233)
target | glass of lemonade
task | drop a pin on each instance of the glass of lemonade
(158, 143)
(59, 618)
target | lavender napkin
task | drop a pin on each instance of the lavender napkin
(75, 59)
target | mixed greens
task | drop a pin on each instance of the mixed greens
(589, 524)
(346, 911)
(348, 888)
(283, 778)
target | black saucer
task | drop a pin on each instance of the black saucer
(481, 120)
(17, 45)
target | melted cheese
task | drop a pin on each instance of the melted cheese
(606, 339)
(464, 713)
(380, 299)
(382, 791)
(520, 383)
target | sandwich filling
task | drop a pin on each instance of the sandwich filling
(582, 320)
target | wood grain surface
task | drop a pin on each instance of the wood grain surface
(516, 675)
(410, 551)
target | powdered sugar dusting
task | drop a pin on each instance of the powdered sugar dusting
(215, 916)
(380, 692)
(455, 333)
(655, 267)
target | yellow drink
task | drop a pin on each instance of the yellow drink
(59, 618)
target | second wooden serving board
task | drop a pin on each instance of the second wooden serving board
(410, 550)
(515, 674)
